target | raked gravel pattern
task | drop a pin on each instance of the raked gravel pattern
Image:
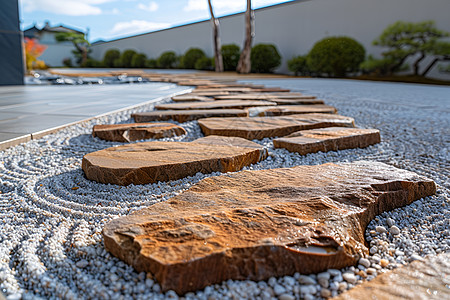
(52, 216)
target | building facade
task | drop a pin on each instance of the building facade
(293, 27)
(11, 53)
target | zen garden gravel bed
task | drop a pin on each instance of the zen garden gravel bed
(52, 216)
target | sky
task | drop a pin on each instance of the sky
(111, 19)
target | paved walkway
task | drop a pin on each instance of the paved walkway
(30, 112)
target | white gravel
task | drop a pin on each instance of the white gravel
(52, 217)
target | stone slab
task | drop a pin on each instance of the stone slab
(253, 225)
(126, 133)
(225, 104)
(262, 127)
(187, 115)
(190, 98)
(427, 279)
(262, 96)
(151, 162)
(328, 139)
(285, 110)
(227, 140)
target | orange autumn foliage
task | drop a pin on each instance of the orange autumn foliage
(32, 51)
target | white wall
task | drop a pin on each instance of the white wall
(293, 27)
(56, 52)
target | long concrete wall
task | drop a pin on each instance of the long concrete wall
(293, 27)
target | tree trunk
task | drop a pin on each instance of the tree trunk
(416, 64)
(244, 64)
(431, 65)
(216, 37)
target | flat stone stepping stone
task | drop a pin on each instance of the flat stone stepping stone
(226, 89)
(187, 115)
(297, 101)
(151, 162)
(263, 127)
(190, 98)
(261, 96)
(427, 279)
(285, 110)
(133, 132)
(227, 140)
(253, 225)
(328, 139)
(214, 105)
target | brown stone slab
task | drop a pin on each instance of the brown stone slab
(151, 162)
(261, 96)
(190, 98)
(427, 279)
(262, 127)
(297, 101)
(227, 140)
(187, 115)
(225, 89)
(225, 104)
(253, 225)
(285, 110)
(133, 132)
(328, 139)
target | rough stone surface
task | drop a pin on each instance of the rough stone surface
(258, 224)
(133, 132)
(328, 139)
(225, 104)
(262, 127)
(283, 110)
(228, 141)
(426, 279)
(264, 96)
(190, 98)
(151, 162)
(187, 115)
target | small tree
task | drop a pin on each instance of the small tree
(264, 58)
(217, 53)
(244, 65)
(441, 52)
(298, 65)
(167, 60)
(230, 56)
(32, 51)
(138, 60)
(405, 39)
(336, 56)
(126, 57)
(80, 43)
(110, 56)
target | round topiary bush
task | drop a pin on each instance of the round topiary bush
(167, 60)
(336, 56)
(298, 65)
(264, 58)
(151, 63)
(126, 58)
(204, 63)
(191, 56)
(110, 56)
(230, 56)
(138, 60)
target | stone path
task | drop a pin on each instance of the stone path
(226, 104)
(284, 110)
(263, 127)
(187, 115)
(132, 132)
(151, 162)
(264, 96)
(328, 139)
(258, 224)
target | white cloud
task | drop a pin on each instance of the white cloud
(226, 5)
(137, 26)
(66, 7)
(151, 6)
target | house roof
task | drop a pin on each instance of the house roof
(33, 30)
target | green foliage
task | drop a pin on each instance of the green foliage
(406, 39)
(335, 56)
(80, 43)
(298, 65)
(204, 63)
(138, 60)
(264, 58)
(230, 56)
(151, 63)
(126, 58)
(167, 60)
(67, 62)
(92, 63)
(191, 56)
(110, 56)
(380, 67)
(117, 63)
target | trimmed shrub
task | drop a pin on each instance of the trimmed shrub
(167, 60)
(110, 56)
(138, 60)
(264, 58)
(382, 66)
(92, 63)
(298, 65)
(230, 56)
(204, 63)
(117, 63)
(190, 58)
(151, 63)
(126, 58)
(67, 62)
(336, 56)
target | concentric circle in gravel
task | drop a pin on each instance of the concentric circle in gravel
(52, 216)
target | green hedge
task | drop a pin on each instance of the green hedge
(138, 60)
(298, 65)
(110, 56)
(191, 56)
(230, 56)
(264, 58)
(167, 60)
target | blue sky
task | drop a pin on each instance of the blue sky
(109, 19)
